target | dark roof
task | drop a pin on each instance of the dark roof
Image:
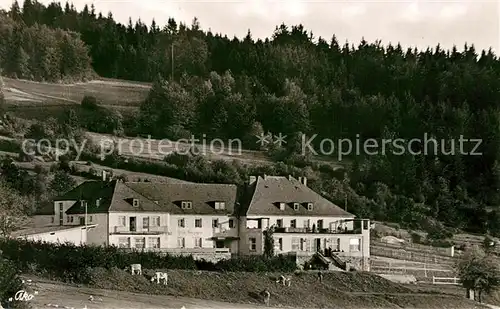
(152, 196)
(123, 200)
(268, 191)
(202, 196)
(90, 191)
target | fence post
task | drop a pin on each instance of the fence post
(425, 269)
(433, 280)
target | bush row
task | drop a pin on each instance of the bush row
(70, 262)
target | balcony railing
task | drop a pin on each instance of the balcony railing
(184, 251)
(224, 232)
(303, 230)
(142, 230)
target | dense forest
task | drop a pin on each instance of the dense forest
(295, 83)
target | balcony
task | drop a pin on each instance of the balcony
(220, 232)
(303, 230)
(183, 251)
(151, 230)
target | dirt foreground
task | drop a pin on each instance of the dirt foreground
(66, 296)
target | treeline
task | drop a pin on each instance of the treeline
(37, 52)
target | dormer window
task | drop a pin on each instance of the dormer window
(82, 203)
(98, 202)
(220, 205)
(282, 206)
(186, 205)
(310, 206)
(296, 206)
(135, 202)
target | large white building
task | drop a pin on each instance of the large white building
(209, 221)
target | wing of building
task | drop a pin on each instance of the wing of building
(209, 220)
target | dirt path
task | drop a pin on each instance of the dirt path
(50, 294)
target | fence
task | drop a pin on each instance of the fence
(446, 280)
(416, 247)
(417, 269)
(410, 255)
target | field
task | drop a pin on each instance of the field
(35, 100)
(196, 289)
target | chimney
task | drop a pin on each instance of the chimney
(103, 175)
(303, 180)
(252, 180)
(289, 177)
(299, 179)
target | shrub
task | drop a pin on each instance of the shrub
(90, 102)
(10, 282)
(73, 263)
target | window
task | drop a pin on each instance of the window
(320, 224)
(140, 243)
(293, 223)
(145, 222)
(306, 223)
(231, 223)
(309, 206)
(186, 205)
(197, 223)
(253, 244)
(354, 245)
(279, 244)
(215, 223)
(295, 244)
(155, 221)
(124, 242)
(181, 242)
(61, 207)
(68, 218)
(52, 219)
(336, 244)
(282, 206)
(296, 206)
(121, 221)
(181, 223)
(90, 219)
(220, 205)
(98, 202)
(135, 202)
(279, 223)
(154, 242)
(198, 243)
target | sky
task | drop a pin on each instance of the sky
(412, 23)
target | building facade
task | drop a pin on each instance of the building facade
(304, 223)
(208, 219)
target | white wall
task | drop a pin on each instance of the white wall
(117, 231)
(190, 232)
(66, 205)
(76, 236)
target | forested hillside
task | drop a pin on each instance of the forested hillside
(37, 52)
(296, 83)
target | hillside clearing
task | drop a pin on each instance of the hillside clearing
(110, 92)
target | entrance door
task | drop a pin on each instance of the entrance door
(318, 244)
(219, 244)
(82, 220)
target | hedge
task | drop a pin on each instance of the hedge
(70, 262)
